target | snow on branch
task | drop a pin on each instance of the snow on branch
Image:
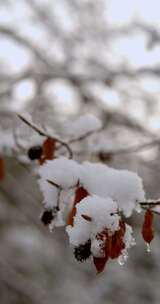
(89, 199)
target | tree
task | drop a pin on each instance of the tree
(93, 80)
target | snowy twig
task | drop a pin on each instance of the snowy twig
(150, 204)
(54, 184)
(59, 192)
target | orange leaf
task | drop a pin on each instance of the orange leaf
(112, 245)
(147, 228)
(117, 242)
(100, 263)
(48, 149)
(117, 245)
(79, 195)
(2, 169)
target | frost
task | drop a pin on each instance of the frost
(148, 247)
(122, 258)
(96, 250)
(128, 237)
(129, 241)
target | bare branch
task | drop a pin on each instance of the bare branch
(10, 33)
(134, 149)
(43, 133)
(80, 138)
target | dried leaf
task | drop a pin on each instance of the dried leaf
(48, 150)
(100, 263)
(147, 228)
(112, 246)
(117, 242)
(79, 195)
(2, 169)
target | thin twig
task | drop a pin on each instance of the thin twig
(43, 133)
(136, 148)
(60, 187)
(150, 205)
(13, 35)
(54, 184)
(86, 217)
(82, 137)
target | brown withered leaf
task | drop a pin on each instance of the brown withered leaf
(48, 150)
(100, 263)
(117, 242)
(111, 247)
(2, 169)
(147, 228)
(79, 195)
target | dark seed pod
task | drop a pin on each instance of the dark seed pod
(83, 252)
(35, 152)
(105, 156)
(47, 217)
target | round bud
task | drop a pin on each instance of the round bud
(83, 252)
(47, 217)
(35, 152)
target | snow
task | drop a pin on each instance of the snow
(50, 194)
(84, 124)
(62, 171)
(103, 214)
(96, 250)
(121, 185)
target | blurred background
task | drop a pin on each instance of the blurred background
(58, 60)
